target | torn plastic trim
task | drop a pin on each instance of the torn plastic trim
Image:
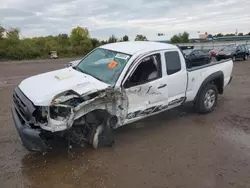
(55, 125)
(71, 94)
(102, 100)
(65, 96)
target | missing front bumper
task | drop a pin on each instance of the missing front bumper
(31, 138)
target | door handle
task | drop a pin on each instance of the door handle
(162, 86)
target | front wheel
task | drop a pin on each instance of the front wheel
(188, 63)
(209, 60)
(102, 136)
(207, 99)
(234, 58)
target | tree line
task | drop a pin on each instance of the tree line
(231, 34)
(184, 37)
(77, 43)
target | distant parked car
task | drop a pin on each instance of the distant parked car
(53, 55)
(214, 52)
(197, 57)
(233, 52)
(247, 48)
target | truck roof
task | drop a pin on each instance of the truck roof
(136, 46)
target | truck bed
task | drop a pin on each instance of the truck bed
(196, 75)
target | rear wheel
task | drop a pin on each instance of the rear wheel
(207, 99)
(246, 57)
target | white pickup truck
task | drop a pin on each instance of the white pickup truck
(113, 85)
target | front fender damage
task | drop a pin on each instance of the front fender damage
(76, 117)
(69, 106)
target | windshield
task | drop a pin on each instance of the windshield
(104, 65)
(230, 49)
(187, 52)
(220, 48)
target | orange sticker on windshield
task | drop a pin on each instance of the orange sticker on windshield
(112, 64)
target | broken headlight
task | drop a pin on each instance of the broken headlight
(40, 114)
(59, 111)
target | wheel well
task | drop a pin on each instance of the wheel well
(219, 83)
(217, 79)
(107, 118)
(98, 116)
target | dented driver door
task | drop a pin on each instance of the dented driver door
(149, 97)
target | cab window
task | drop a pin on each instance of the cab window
(173, 62)
(149, 69)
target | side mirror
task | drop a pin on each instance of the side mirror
(67, 65)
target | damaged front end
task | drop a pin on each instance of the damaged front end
(24, 117)
(70, 115)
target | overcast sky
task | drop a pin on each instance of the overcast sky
(106, 17)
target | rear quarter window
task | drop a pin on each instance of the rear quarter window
(173, 62)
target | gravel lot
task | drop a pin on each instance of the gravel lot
(176, 149)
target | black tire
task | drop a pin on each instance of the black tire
(188, 63)
(246, 57)
(199, 104)
(102, 137)
(234, 58)
(209, 60)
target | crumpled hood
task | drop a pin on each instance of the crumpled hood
(42, 88)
